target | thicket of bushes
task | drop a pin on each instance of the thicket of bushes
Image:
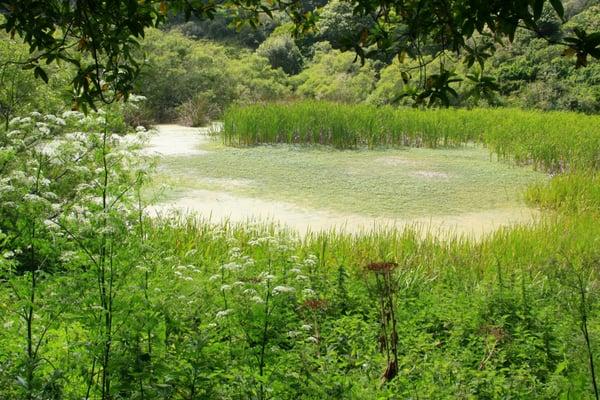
(194, 71)
(530, 72)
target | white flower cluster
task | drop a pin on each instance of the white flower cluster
(136, 98)
(283, 289)
(184, 272)
(54, 120)
(266, 277)
(20, 122)
(311, 260)
(232, 266)
(224, 313)
(8, 254)
(75, 115)
(265, 240)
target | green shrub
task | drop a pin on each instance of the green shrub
(335, 76)
(282, 52)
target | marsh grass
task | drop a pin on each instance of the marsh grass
(553, 141)
(474, 314)
(529, 274)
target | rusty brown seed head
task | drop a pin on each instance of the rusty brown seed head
(315, 304)
(382, 267)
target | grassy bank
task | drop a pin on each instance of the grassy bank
(236, 311)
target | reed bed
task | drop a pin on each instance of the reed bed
(552, 141)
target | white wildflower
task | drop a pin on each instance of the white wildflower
(135, 98)
(265, 276)
(50, 225)
(49, 149)
(235, 252)
(283, 289)
(225, 288)
(73, 114)
(8, 254)
(32, 197)
(311, 260)
(231, 266)
(312, 339)
(306, 327)
(224, 313)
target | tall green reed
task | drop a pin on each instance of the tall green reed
(554, 141)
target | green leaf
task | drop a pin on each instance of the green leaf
(39, 72)
(558, 7)
(538, 7)
(593, 39)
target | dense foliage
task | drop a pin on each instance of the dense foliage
(528, 73)
(100, 39)
(193, 82)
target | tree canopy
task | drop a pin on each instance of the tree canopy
(100, 38)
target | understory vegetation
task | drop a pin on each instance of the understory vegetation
(99, 301)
